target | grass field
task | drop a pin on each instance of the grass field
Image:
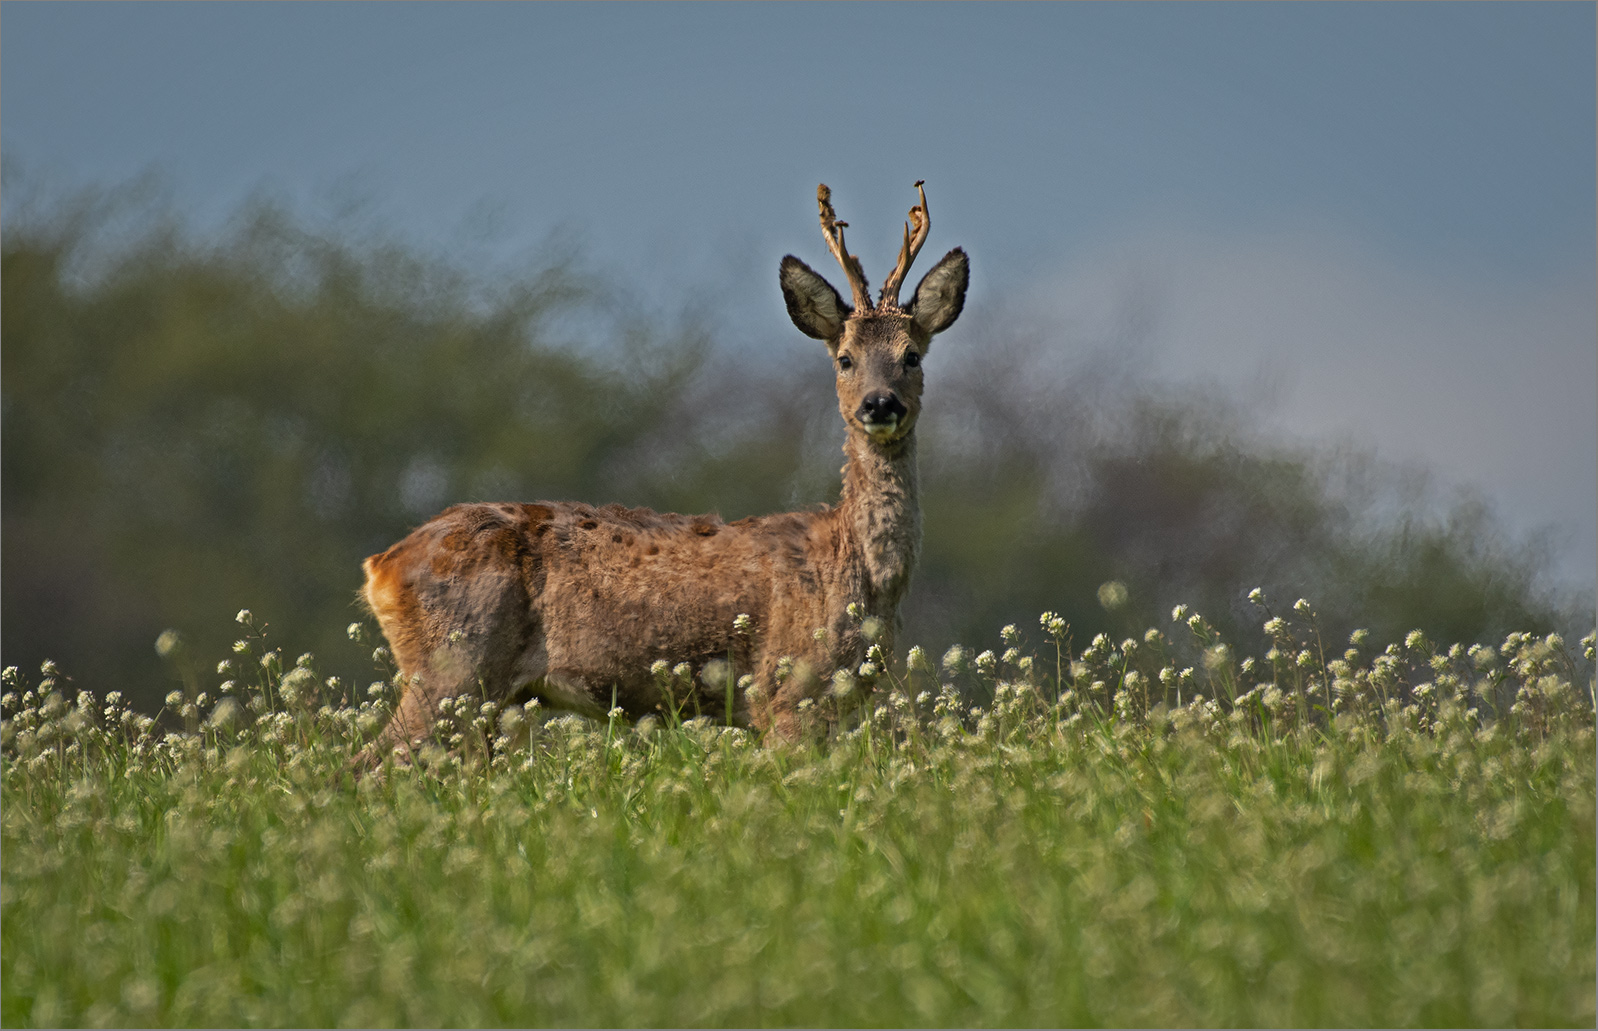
(1149, 832)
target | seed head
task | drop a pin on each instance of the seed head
(168, 643)
(1112, 594)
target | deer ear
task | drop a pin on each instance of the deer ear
(815, 307)
(941, 294)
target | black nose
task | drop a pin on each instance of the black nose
(880, 406)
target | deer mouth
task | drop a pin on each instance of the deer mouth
(884, 429)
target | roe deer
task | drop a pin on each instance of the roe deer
(572, 604)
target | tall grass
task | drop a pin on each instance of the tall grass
(1146, 832)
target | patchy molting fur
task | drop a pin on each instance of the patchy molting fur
(572, 604)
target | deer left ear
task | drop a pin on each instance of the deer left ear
(941, 293)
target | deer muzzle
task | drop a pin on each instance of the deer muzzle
(880, 413)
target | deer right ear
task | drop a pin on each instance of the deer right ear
(815, 307)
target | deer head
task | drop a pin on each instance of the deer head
(877, 348)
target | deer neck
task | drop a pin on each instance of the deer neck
(881, 506)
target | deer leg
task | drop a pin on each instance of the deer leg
(484, 660)
(779, 715)
(448, 674)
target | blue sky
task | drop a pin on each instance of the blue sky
(1385, 213)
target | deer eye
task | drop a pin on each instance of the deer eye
(844, 361)
(912, 359)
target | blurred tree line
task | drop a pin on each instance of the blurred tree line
(191, 427)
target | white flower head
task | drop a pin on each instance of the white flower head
(1112, 594)
(168, 643)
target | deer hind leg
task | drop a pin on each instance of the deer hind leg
(452, 636)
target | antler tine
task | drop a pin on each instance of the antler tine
(832, 229)
(909, 249)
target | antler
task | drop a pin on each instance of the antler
(908, 250)
(832, 229)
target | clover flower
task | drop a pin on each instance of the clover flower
(1112, 594)
(168, 643)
